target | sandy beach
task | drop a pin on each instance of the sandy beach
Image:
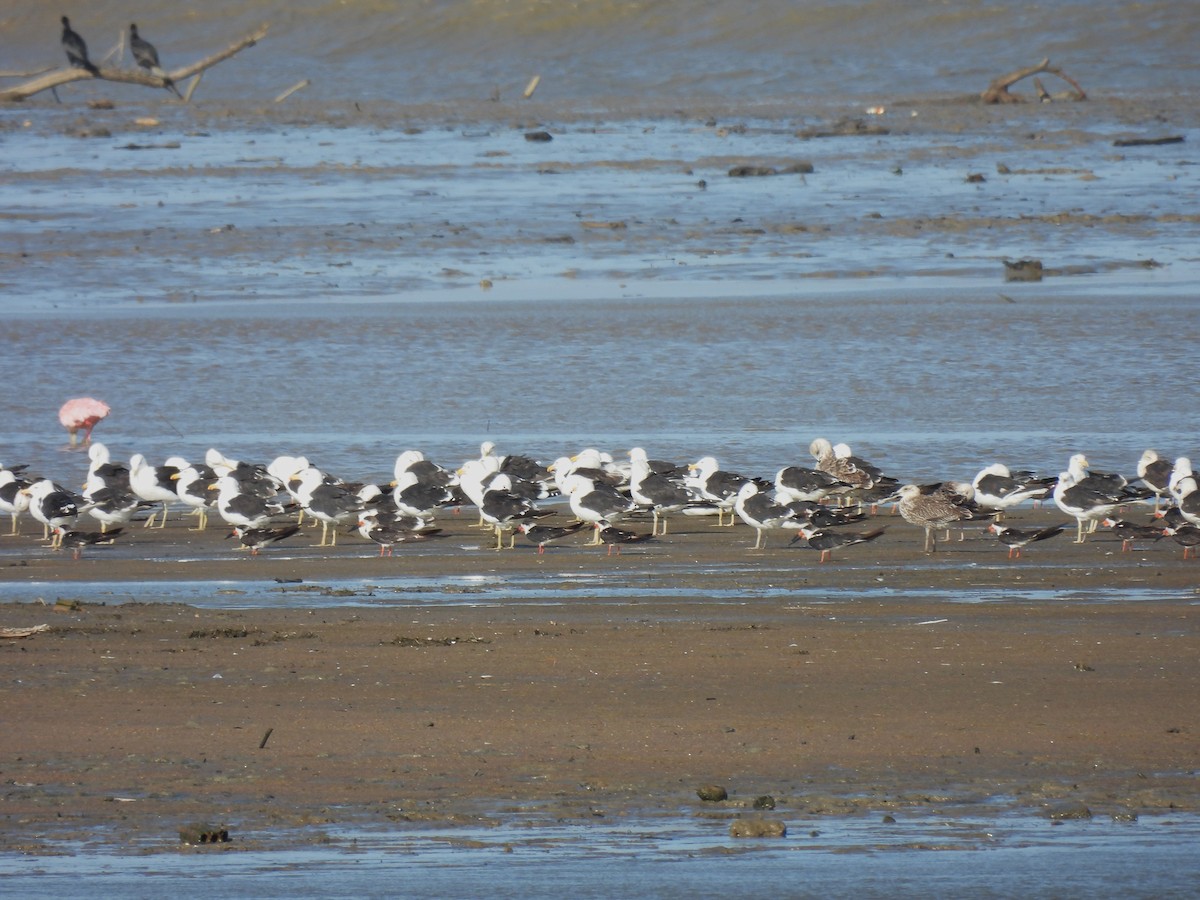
(136, 719)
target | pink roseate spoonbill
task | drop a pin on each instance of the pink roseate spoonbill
(82, 412)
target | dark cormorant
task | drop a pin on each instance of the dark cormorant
(147, 58)
(76, 48)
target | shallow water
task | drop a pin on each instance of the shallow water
(736, 586)
(663, 50)
(350, 285)
(943, 854)
(927, 386)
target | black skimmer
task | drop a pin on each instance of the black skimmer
(1129, 532)
(932, 510)
(77, 56)
(77, 540)
(828, 541)
(258, 538)
(597, 504)
(387, 530)
(822, 516)
(615, 537)
(761, 513)
(147, 57)
(545, 534)
(153, 484)
(1186, 536)
(1015, 539)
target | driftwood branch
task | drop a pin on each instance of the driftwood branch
(997, 91)
(129, 76)
(18, 633)
(8, 73)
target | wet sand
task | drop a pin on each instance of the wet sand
(134, 720)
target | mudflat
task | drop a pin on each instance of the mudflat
(864, 683)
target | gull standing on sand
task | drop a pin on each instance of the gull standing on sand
(716, 485)
(13, 499)
(420, 498)
(502, 508)
(996, 487)
(103, 472)
(54, 507)
(1187, 499)
(659, 493)
(1155, 473)
(1084, 503)
(1092, 496)
(596, 503)
(153, 484)
(931, 511)
(192, 483)
(843, 465)
(800, 484)
(244, 509)
(761, 513)
(327, 500)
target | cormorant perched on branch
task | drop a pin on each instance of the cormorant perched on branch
(147, 58)
(76, 48)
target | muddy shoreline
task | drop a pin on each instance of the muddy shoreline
(135, 719)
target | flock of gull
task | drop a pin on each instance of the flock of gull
(827, 506)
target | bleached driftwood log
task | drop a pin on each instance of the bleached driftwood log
(129, 76)
(18, 633)
(997, 91)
